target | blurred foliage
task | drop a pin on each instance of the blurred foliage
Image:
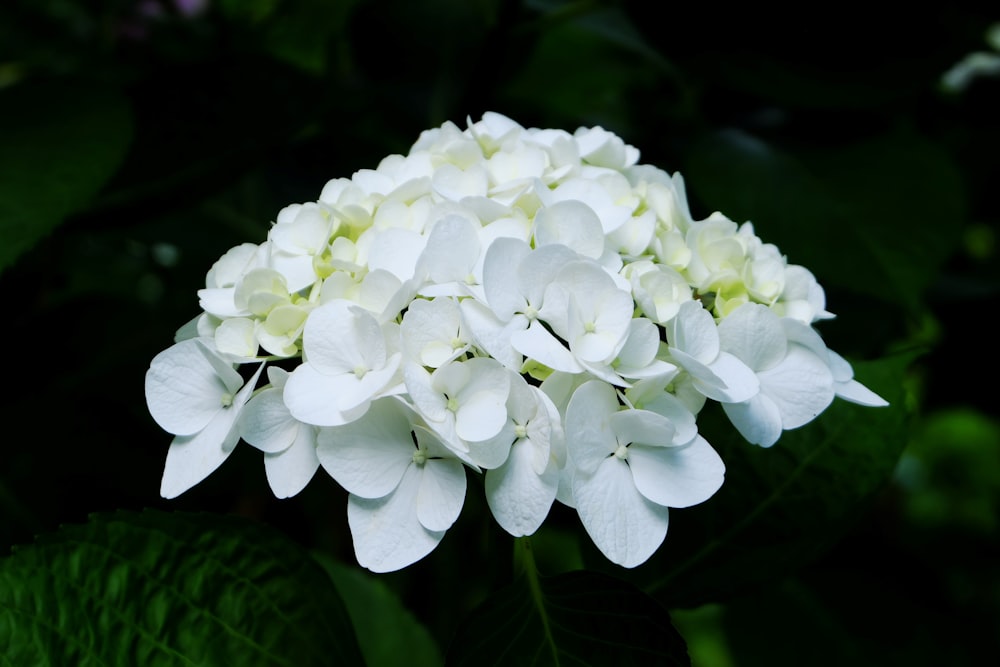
(141, 139)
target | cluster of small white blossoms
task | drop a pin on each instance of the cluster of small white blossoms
(532, 305)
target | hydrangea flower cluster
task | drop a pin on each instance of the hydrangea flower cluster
(531, 305)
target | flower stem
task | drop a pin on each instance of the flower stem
(524, 564)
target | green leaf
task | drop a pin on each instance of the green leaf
(575, 618)
(303, 32)
(782, 506)
(388, 633)
(156, 588)
(61, 141)
(878, 217)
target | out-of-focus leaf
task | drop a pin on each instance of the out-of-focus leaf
(594, 78)
(878, 217)
(950, 474)
(388, 633)
(787, 624)
(576, 618)
(156, 588)
(782, 506)
(61, 142)
(252, 11)
(303, 32)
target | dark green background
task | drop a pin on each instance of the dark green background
(136, 149)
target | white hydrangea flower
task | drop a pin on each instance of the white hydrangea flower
(530, 304)
(350, 361)
(300, 233)
(195, 394)
(628, 469)
(406, 487)
(796, 384)
(695, 345)
(520, 491)
(289, 445)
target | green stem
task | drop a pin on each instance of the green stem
(524, 564)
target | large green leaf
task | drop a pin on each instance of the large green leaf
(781, 506)
(389, 634)
(156, 588)
(878, 216)
(62, 141)
(575, 618)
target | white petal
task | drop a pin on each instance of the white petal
(311, 397)
(185, 386)
(387, 534)
(740, 381)
(642, 426)
(492, 452)
(801, 386)
(677, 476)
(441, 494)
(693, 330)
(588, 429)
(428, 329)
(539, 269)
(191, 459)
(537, 343)
(289, 472)
(754, 333)
(518, 497)
(758, 420)
(482, 409)
(396, 251)
(855, 392)
(220, 301)
(339, 337)
(368, 457)
(679, 415)
(624, 525)
(451, 252)
(642, 344)
(492, 334)
(428, 401)
(500, 264)
(266, 423)
(570, 223)
(236, 336)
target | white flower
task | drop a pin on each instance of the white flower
(462, 401)
(796, 384)
(531, 304)
(849, 389)
(217, 298)
(658, 290)
(584, 307)
(432, 332)
(694, 345)
(197, 395)
(605, 149)
(350, 361)
(521, 490)
(406, 488)
(628, 469)
(301, 232)
(289, 445)
(514, 282)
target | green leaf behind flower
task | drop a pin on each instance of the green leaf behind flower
(156, 588)
(576, 618)
(388, 633)
(782, 506)
(877, 216)
(61, 142)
